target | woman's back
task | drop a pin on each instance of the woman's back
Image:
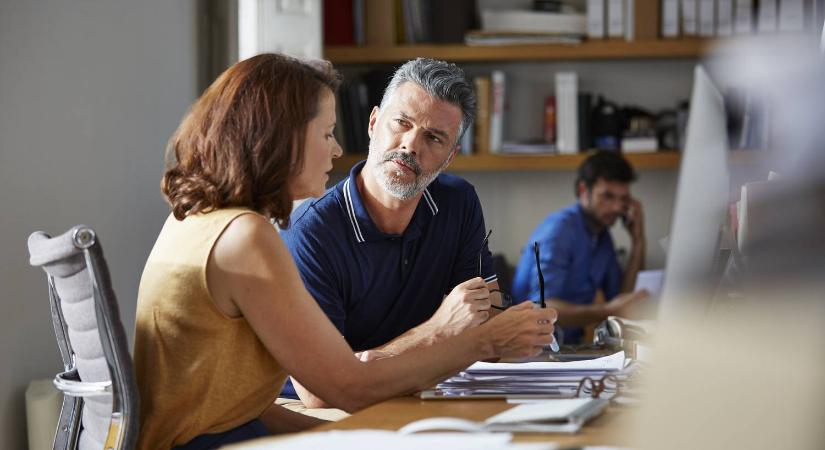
(199, 371)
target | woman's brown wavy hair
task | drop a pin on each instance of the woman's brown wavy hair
(242, 140)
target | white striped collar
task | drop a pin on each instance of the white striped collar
(362, 229)
(353, 219)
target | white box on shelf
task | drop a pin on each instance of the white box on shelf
(595, 19)
(707, 18)
(791, 15)
(499, 92)
(567, 119)
(615, 18)
(766, 22)
(690, 23)
(724, 17)
(743, 17)
(670, 18)
(525, 21)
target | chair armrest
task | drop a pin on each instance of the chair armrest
(68, 383)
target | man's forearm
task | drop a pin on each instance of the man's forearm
(634, 264)
(420, 336)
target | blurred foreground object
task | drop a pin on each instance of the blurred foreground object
(750, 375)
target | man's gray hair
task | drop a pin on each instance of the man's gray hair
(442, 80)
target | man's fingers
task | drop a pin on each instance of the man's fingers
(473, 283)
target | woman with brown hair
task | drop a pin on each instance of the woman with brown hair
(223, 315)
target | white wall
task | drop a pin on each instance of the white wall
(90, 90)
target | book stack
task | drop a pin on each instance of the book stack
(710, 18)
(517, 26)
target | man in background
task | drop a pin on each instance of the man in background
(578, 257)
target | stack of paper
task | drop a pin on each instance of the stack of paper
(525, 380)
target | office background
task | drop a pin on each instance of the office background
(90, 91)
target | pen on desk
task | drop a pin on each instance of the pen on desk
(554, 346)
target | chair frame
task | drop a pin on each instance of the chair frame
(68, 382)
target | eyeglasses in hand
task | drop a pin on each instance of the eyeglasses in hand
(506, 298)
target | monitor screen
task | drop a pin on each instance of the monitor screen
(702, 197)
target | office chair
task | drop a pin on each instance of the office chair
(100, 403)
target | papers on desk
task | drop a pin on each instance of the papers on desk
(380, 439)
(525, 380)
(652, 281)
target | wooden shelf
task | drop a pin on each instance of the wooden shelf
(606, 49)
(518, 163)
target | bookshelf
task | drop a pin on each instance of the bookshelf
(589, 50)
(661, 160)
(498, 163)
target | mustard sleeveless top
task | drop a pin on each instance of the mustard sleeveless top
(198, 370)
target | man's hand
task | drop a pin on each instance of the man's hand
(521, 331)
(467, 306)
(624, 305)
(634, 220)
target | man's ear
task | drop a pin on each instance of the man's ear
(453, 152)
(373, 118)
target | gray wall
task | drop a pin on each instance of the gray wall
(90, 90)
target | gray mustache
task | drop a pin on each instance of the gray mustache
(405, 158)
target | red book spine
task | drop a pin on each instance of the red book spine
(338, 28)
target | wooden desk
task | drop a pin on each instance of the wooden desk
(395, 413)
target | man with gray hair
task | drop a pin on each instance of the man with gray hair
(395, 254)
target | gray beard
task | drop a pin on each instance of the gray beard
(390, 179)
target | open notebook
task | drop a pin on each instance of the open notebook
(551, 416)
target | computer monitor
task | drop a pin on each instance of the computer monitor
(702, 197)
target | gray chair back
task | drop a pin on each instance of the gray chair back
(100, 404)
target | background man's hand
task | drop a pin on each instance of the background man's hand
(634, 220)
(467, 306)
(625, 305)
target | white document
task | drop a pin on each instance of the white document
(612, 362)
(382, 439)
(549, 416)
(670, 18)
(558, 410)
(652, 281)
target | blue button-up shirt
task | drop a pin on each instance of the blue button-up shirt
(575, 263)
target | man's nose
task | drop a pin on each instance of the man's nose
(410, 141)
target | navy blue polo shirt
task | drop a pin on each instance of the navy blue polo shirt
(375, 286)
(575, 263)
